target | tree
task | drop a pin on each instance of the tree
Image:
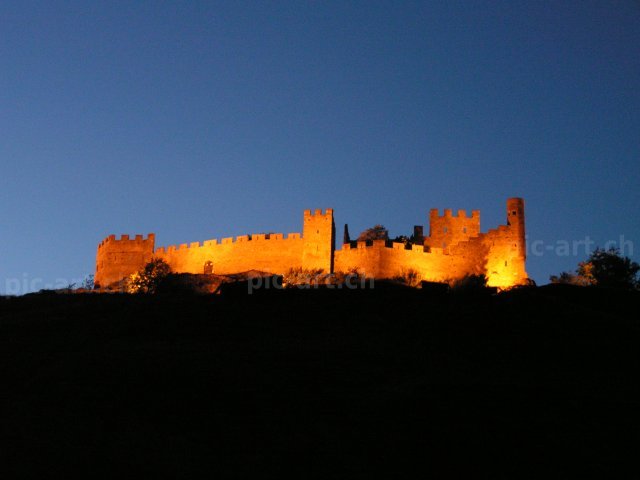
(402, 239)
(409, 277)
(377, 232)
(608, 268)
(604, 268)
(149, 277)
(88, 283)
(568, 278)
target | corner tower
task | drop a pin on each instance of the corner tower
(507, 257)
(515, 219)
(118, 258)
(319, 237)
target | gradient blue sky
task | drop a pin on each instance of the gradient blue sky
(199, 120)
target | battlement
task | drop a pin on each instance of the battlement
(318, 213)
(255, 237)
(126, 240)
(448, 213)
(379, 244)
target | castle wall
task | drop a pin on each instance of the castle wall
(387, 260)
(271, 253)
(117, 258)
(499, 253)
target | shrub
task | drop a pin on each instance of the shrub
(409, 277)
(377, 232)
(149, 277)
(469, 284)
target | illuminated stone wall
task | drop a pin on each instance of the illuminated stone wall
(455, 248)
(117, 258)
(273, 253)
(319, 234)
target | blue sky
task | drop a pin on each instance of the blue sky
(199, 120)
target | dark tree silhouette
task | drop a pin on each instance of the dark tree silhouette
(610, 269)
(604, 268)
(346, 238)
(377, 232)
(403, 239)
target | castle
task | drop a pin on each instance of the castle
(454, 248)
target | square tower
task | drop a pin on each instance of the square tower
(319, 237)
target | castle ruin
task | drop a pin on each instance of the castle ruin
(454, 248)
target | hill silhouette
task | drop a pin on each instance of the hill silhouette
(321, 383)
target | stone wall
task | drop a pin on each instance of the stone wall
(454, 249)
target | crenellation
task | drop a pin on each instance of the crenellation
(318, 212)
(125, 241)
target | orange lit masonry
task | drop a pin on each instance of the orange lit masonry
(455, 247)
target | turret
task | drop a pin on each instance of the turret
(515, 219)
(319, 236)
(118, 258)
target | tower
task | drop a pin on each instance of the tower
(515, 219)
(118, 258)
(319, 237)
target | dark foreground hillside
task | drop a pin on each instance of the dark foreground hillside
(321, 384)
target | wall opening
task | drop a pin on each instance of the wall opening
(208, 267)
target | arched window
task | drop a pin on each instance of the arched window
(208, 267)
